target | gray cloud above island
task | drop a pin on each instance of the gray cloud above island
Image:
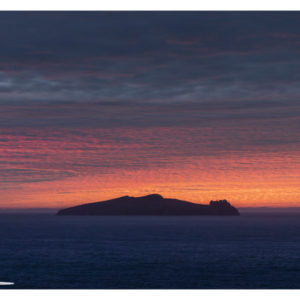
(231, 78)
(147, 68)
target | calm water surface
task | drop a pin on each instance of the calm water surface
(250, 251)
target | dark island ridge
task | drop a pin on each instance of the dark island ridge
(150, 205)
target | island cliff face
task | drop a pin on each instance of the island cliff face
(150, 205)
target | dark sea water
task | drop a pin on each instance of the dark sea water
(251, 251)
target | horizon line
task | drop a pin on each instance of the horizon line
(58, 208)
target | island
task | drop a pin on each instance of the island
(150, 205)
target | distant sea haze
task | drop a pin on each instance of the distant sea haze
(53, 211)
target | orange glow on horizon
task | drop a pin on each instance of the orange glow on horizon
(63, 170)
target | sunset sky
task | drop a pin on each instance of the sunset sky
(197, 106)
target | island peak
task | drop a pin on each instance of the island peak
(152, 196)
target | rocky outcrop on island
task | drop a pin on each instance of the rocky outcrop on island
(151, 205)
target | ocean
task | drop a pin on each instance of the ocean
(253, 251)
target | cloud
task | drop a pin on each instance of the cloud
(100, 93)
(147, 55)
(19, 175)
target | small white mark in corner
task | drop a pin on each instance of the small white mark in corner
(7, 283)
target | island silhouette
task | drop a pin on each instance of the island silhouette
(150, 205)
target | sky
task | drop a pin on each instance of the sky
(197, 106)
